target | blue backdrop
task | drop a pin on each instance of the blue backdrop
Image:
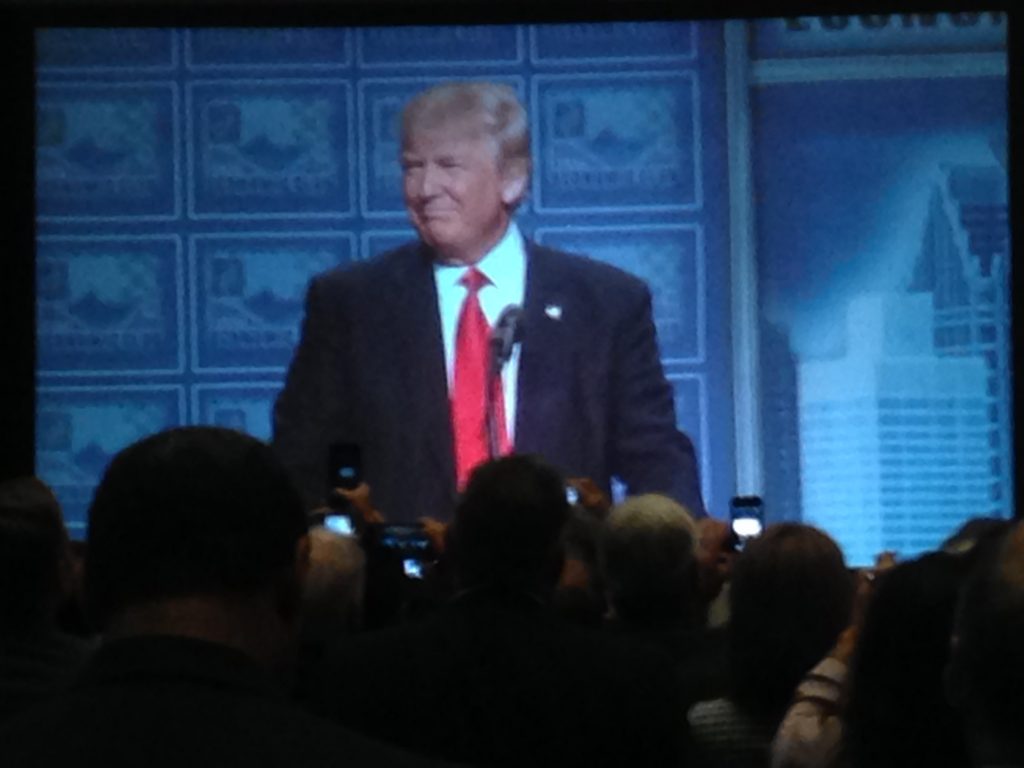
(190, 182)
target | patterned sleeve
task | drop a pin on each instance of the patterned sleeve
(810, 733)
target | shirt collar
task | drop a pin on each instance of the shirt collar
(503, 264)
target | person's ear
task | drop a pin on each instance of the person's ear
(513, 185)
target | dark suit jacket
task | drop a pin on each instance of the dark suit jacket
(592, 399)
(167, 701)
(496, 679)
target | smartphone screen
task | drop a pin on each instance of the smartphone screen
(344, 466)
(408, 539)
(340, 524)
(572, 495)
(747, 517)
(412, 568)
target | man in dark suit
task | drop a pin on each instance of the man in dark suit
(197, 552)
(393, 354)
(494, 678)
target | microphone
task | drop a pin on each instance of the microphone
(508, 331)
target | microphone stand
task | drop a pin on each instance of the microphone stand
(493, 377)
(506, 334)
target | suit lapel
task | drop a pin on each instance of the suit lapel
(546, 355)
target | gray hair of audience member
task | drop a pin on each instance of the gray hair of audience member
(649, 559)
(34, 553)
(335, 583)
(490, 110)
(986, 664)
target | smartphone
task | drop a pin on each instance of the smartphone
(412, 568)
(344, 466)
(340, 524)
(411, 544)
(411, 541)
(747, 516)
(571, 494)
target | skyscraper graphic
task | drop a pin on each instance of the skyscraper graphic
(895, 450)
(964, 262)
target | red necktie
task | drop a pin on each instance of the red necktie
(469, 396)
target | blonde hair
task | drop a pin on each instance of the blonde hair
(491, 108)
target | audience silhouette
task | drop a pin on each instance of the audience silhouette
(220, 630)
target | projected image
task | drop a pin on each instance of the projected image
(192, 183)
(884, 266)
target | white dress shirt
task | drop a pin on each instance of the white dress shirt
(505, 267)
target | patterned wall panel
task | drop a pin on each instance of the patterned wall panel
(620, 142)
(107, 151)
(248, 295)
(109, 305)
(601, 44)
(432, 47)
(260, 50)
(270, 149)
(79, 429)
(238, 406)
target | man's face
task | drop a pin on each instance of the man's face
(457, 196)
